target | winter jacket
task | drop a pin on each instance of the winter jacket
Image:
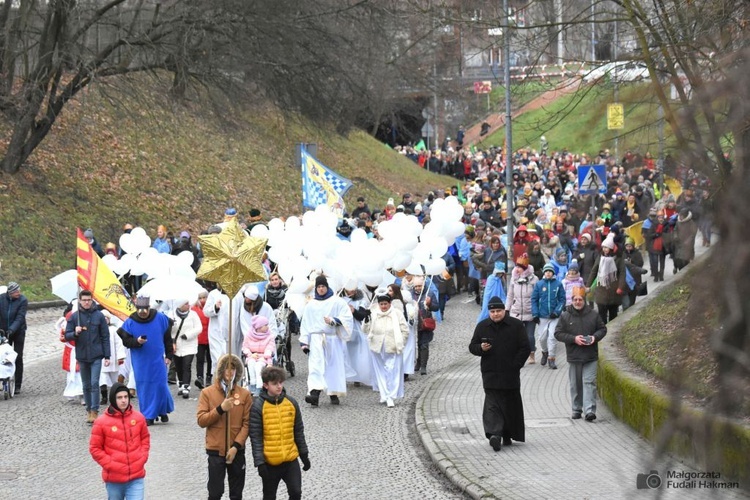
(93, 342)
(501, 365)
(569, 284)
(586, 257)
(191, 328)
(13, 314)
(120, 443)
(547, 299)
(277, 434)
(211, 417)
(520, 288)
(608, 295)
(254, 344)
(203, 335)
(584, 322)
(634, 264)
(685, 239)
(381, 329)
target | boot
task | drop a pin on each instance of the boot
(209, 379)
(552, 365)
(532, 359)
(105, 398)
(91, 416)
(312, 398)
(132, 393)
(185, 391)
(424, 356)
(335, 400)
(544, 358)
(121, 379)
(199, 383)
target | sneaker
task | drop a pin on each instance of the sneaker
(335, 400)
(552, 365)
(545, 354)
(507, 441)
(590, 417)
(496, 443)
(186, 393)
(164, 418)
(389, 403)
(172, 381)
(149, 421)
(576, 415)
(199, 383)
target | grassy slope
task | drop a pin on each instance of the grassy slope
(578, 122)
(112, 160)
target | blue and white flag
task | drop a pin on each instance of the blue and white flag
(322, 186)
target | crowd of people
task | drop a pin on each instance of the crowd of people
(566, 254)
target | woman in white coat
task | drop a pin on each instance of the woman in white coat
(185, 330)
(387, 333)
(405, 302)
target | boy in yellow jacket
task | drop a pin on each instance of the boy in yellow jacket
(277, 436)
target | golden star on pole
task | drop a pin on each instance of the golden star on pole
(232, 258)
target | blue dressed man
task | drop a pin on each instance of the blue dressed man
(147, 333)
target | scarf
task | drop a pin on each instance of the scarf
(607, 271)
(182, 314)
(396, 328)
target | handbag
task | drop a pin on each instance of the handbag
(642, 289)
(425, 323)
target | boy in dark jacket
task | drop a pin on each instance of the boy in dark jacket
(581, 329)
(277, 436)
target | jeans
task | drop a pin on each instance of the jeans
(583, 386)
(90, 372)
(132, 490)
(547, 335)
(530, 328)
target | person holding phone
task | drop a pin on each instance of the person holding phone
(503, 345)
(581, 329)
(147, 334)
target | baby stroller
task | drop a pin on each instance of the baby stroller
(285, 318)
(7, 367)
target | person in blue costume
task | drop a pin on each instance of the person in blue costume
(147, 334)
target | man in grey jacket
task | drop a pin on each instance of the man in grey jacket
(88, 328)
(581, 329)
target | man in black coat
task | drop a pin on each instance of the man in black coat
(581, 329)
(502, 343)
(13, 306)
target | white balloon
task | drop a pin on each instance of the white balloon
(297, 302)
(126, 262)
(454, 230)
(137, 268)
(185, 258)
(275, 225)
(401, 261)
(434, 266)
(372, 279)
(299, 284)
(358, 236)
(414, 268)
(438, 247)
(259, 231)
(110, 261)
(292, 223)
(127, 243)
(138, 232)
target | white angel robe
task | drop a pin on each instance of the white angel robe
(358, 352)
(218, 326)
(327, 358)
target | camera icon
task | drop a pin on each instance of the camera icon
(652, 480)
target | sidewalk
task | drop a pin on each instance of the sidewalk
(561, 458)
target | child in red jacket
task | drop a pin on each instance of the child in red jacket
(120, 443)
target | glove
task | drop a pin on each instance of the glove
(183, 336)
(9, 334)
(619, 291)
(263, 470)
(305, 462)
(554, 316)
(535, 320)
(644, 271)
(305, 349)
(231, 454)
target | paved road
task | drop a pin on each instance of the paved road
(358, 450)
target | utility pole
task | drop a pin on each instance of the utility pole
(508, 137)
(593, 32)
(617, 92)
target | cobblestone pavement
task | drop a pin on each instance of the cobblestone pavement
(360, 449)
(561, 458)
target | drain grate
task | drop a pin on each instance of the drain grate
(461, 430)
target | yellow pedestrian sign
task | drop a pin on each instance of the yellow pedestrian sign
(615, 116)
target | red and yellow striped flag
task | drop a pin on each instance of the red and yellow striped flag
(96, 277)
